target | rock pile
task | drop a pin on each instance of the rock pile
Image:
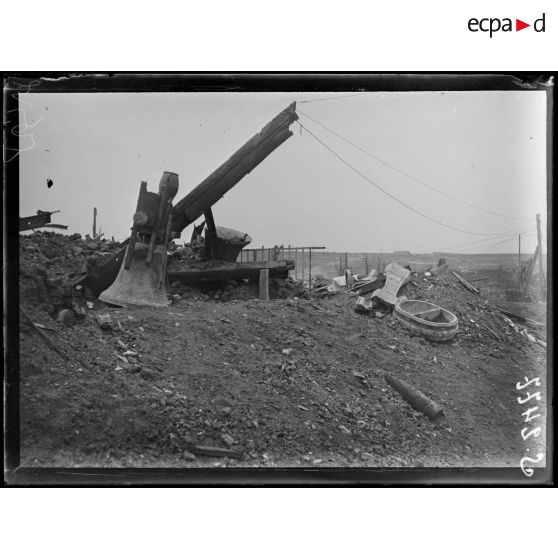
(50, 263)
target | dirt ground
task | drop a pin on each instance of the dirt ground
(292, 382)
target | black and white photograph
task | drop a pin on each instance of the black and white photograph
(304, 277)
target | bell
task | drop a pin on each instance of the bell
(141, 284)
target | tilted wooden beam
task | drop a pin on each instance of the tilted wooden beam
(243, 161)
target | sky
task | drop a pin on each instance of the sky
(487, 148)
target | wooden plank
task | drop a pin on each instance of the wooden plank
(211, 451)
(518, 317)
(233, 271)
(40, 333)
(466, 283)
(370, 286)
(55, 226)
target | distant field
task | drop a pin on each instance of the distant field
(327, 264)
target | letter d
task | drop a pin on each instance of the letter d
(542, 21)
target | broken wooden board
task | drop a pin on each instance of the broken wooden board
(42, 219)
(230, 272)
(210, 451)
(370, 286)
(40, 333)
(466, 283)
(519, 318)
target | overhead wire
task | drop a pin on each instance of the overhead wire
(401, 202)
(497, 244)
(470, 244)
(458, 246)
(417, 180)
(331, 98)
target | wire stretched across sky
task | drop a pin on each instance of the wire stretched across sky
(331, 98)
(494, 245)
(401, 202)
(418, 181)
(476, 243)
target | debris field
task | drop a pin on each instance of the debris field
(222, 379)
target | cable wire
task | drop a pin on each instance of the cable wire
(494, 245)
(397, 199)
(418, 181)
(331, 98)
(469, 245)
(460, 244)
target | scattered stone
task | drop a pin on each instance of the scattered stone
(79, 311)
(147, 374)
(104, 321)
(132, 368)
(228, 440)
(287, 351)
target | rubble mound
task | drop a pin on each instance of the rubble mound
(292, 381)
(238, 290)
(50, 263)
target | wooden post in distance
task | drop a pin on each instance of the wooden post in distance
(264, 284)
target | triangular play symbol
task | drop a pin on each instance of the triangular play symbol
(519, 25)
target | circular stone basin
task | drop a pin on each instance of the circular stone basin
(427, 319)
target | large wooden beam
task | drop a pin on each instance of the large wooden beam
(214, 187)
(243, 161)
(230, 272)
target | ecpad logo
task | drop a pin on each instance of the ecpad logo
(494, 24)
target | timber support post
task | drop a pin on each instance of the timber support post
(264, 284)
